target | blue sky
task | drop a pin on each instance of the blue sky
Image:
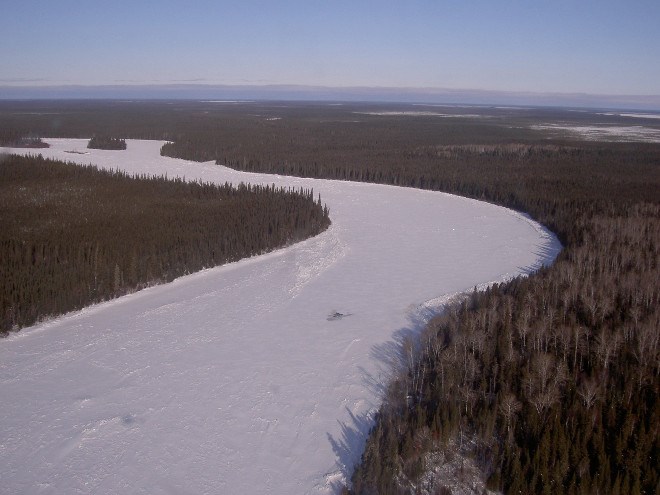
(596, 47)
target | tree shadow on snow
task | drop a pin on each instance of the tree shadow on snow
(391, 358)
(546, 255)
(393, 355)
(349, 445)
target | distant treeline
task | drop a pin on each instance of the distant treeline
(73, 235)
(106, 143)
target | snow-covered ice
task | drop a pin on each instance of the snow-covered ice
(243, 379)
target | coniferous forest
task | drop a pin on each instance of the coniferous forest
(106, 143)
(548, 383)
(71, 235)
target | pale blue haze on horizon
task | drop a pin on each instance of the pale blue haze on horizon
(595, 47)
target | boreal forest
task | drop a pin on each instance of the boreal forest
(549, 383)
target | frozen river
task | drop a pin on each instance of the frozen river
(236, 380)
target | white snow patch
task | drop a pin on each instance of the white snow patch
(634, 115)
(513, 108)
(411, 113)
(453, 468)
(227, 101)
(635, 133)
(236, 379)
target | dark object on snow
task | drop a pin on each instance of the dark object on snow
(336, 315)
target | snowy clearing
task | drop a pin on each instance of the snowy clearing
(633, 133)
(257, 377)
(634, 115)
(424, 114)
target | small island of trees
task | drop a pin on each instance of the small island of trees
(11, 138)
(106, 143)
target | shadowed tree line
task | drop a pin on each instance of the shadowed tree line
(73, 235)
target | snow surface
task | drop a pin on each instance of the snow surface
(241, 379)
(633, 133)
(409, 113)
(634, 115)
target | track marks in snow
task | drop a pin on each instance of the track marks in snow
(315, 256)
(348, 349)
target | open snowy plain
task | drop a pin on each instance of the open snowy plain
(237, 379)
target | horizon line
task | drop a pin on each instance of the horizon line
(302, 92)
